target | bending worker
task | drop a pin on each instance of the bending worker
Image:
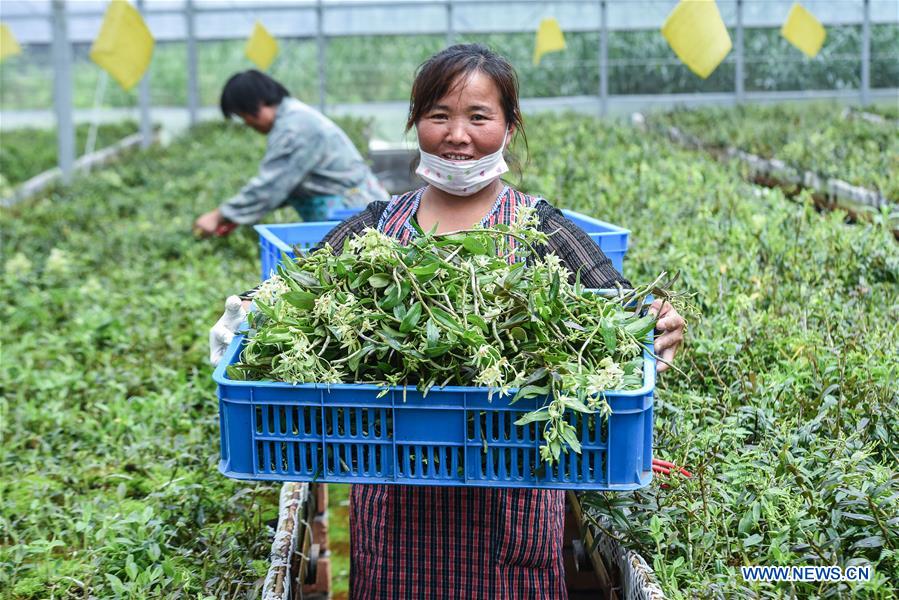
(309, 161)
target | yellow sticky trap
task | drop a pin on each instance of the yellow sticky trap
(261, 47)
(549, 39)
(804, 31)
(697, 35)
(124, 46)
(9, 46)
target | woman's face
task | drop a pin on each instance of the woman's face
(467, 123)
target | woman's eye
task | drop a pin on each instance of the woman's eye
(478, 117)
(438, 116)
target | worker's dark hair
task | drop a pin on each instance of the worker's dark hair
(436, 75)
(245, 92)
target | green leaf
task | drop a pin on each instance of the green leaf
(515, 320)
(305, 279)
(609, 335)
(554, 287)
(360, 278)
(446, 320)
(753, 540)
(575, 404)
(425, 272)
(874, 541)
(432, 332)
(379, 280)
(437, 350)
(746, 523)
(399, 311)
(410, 320)
(154, 552)
(405, 288)
(391, 342)
(117, 586)
(304, 300)
(391, 297)
(358, 355)
(516, 272)
(531, 391)
(569, 434)
(536, 376)
(533, 417)
(518, 333)
(641, 326)
(131, 568)
(474, 245)
(478, 321)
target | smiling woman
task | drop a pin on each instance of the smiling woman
(470, 542)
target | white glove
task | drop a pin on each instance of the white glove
(224, 329)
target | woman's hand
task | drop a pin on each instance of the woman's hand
(670, 328)
(213, 223)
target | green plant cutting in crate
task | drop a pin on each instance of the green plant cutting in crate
(452, 309)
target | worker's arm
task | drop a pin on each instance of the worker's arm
(288, 159)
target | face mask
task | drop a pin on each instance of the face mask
(462, 177)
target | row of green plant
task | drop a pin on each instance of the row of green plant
(822, 138)
(379, 68)
(29, 151)
(787, 410)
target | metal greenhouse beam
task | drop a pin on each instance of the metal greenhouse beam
(62, 91)
(450, 24)
(146, 126)
(193, 93)
(322, 66)
(603, 58)
(866, 54)
(740, 72)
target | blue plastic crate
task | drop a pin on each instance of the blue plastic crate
(275, 239)
(344, 433)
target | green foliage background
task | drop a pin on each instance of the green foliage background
(787, 410)
(28, 151)
(380, 68)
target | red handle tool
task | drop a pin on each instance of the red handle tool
(663, 467)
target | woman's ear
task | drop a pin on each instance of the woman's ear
(511, 134)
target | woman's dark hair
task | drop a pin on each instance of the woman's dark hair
(436, 75)
(245, 92)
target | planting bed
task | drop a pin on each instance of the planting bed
(826, 139)
(27, 152)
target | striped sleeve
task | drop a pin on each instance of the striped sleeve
(576, 249)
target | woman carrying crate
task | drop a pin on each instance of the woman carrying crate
(309, 161)
(469, 542)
